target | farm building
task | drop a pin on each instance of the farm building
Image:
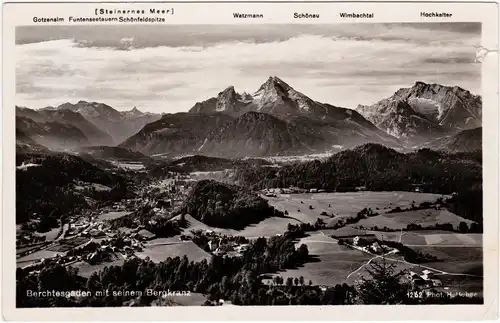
(213, 245)
(242, 248)
(145, 234)
(424, 279)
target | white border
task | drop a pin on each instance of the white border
(486, 13)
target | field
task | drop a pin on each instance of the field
(344, 204)
(50, 235)
(112, 215)
(462, 260)
(65, 245)
(194, 224)
(129, 165)
(426, 217)
(27, 248)
(36, 256)
(335, 261)
(160, 252)
(85, 269)
(426, 238)
(443, 238)
(266, 228)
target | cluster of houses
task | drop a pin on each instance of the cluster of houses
(86, 228)
(87, 225)
(424, 279)
(272, 192)
(219, 245)
(374, 247)
(99, 233)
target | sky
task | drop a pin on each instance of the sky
(170, 68)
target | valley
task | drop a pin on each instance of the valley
(152, 224)
(252, 199)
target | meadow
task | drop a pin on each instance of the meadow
(425, 218)
(333, 262)
(345, 204)
(160, 252)
(85, 269)
(36, 256)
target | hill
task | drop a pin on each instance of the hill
(261, 134)
(465, 141)
(175, 134)
(24, 144)
(45, 186)
(226, 206)
(375, 168)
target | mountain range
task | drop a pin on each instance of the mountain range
(425, 111)
(274, 120)
(70, 119)
(77, 125)
(119, 124)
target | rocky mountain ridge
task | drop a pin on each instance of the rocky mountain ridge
(119, 124)
(425, 111)
(275, 120)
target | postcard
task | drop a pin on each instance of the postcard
(250, 161)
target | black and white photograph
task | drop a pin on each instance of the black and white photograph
(249, 165)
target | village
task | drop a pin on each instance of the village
(220, 244)
(90, 237)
